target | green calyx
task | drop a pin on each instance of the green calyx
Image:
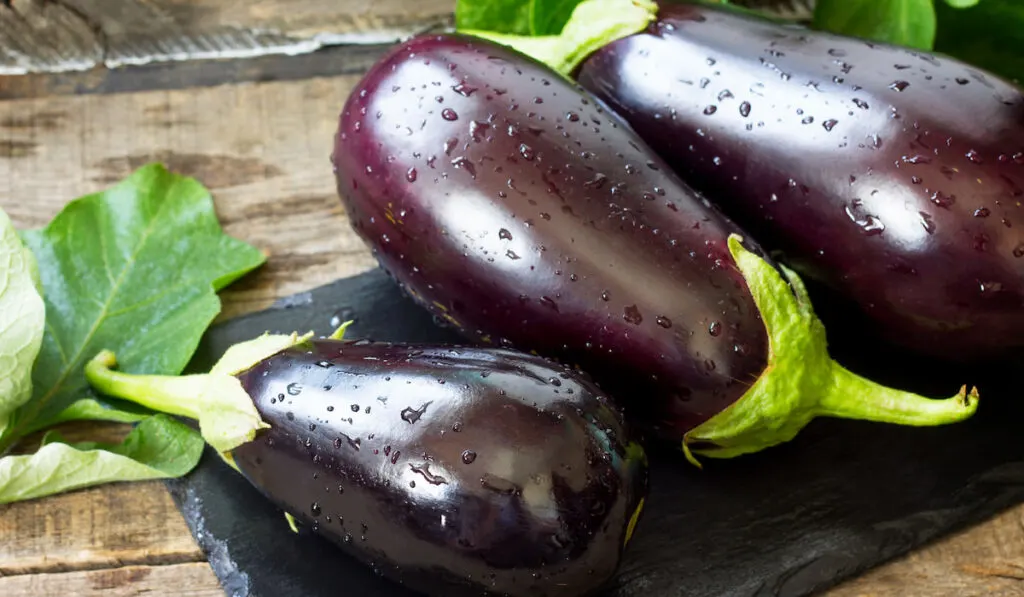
(801, 381)
(226, 414)
(593, 25)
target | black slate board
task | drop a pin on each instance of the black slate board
(790, 521)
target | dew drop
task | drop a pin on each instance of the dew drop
(478, 130)
(632, 315)
(468, 457)
(504, 234)
(464, 90)
(411, 415)
(424, 471)
(943, 200)
(449, 114)
(463, 163)
(926, 222)
(411, 174)
(899, 85)
(745, 109)
(715, 329)
(987, 287)
(830, 124)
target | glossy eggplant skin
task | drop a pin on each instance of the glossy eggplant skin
(895, 177)
(513, 206)
(456, 471)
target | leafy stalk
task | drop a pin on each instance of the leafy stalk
(158, 448)
(134, 269)
(227, 417)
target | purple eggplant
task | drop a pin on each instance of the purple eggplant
(514, 207)
(894, 177)
(454, 471)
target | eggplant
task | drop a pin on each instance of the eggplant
(893, 177)
(519, 211)
(455, 471)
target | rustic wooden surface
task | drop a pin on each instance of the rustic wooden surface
(258, 132)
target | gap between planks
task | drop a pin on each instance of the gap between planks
(180, 580)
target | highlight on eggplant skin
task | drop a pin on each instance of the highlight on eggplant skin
(518, 210)
(455, 471)
(893, 176)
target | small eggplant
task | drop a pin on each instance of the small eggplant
(513, 206)
(455, 471)
(893, 176)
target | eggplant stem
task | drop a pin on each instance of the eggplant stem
(175, 395)
(801, 380)
(851, 396)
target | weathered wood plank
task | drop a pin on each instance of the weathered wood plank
(182, 580)
(86, 35)
(76, 35)
(263, 149)
(163, 76)
(984, 560)
(104, 527)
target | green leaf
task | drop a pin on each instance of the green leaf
(22, 320)
(548, 17)
(593, 24)
(909, 23)
(502, 16)
(158, 448)
(989, 36)
(133, 269)
(962, 3)
(91, 409)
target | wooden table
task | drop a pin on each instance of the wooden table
(255, 126)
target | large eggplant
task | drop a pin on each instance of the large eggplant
(893, 176)
(455, 471)
(518, 210)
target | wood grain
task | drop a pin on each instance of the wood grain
(105, 527)
(267, 167)
(82, 35)
(986, 560)
(182, 580)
